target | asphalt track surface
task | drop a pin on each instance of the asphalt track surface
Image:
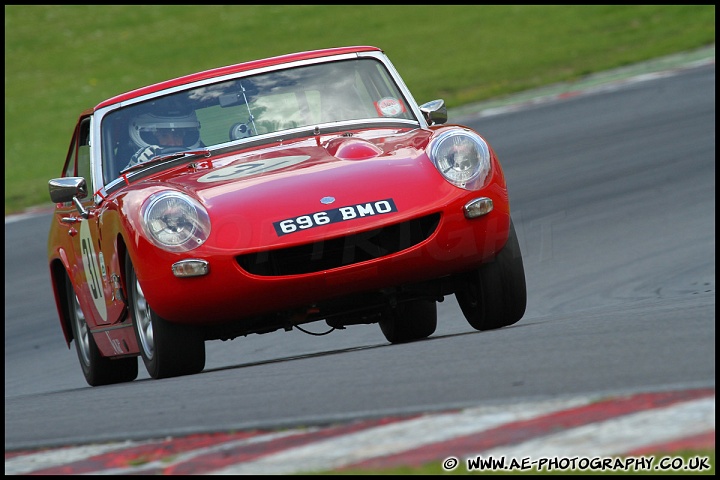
(612, 191)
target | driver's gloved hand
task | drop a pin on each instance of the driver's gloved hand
(144, 154)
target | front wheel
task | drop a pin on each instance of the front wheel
(167, 349)
(409, 321)
(98, 370)
(495, 295)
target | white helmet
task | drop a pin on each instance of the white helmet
(144, 127)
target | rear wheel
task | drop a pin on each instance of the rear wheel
(495, 295)
(409, 321)
(167, 349)
(98, 370)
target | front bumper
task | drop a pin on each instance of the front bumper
(241, 288)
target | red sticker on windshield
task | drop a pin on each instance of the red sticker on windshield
(389, 107)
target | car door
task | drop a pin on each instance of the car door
(93, 285)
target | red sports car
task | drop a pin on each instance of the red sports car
(270, 194)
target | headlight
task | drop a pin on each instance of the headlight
(175, 222)
(462, 157)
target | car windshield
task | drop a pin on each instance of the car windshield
(253, 106)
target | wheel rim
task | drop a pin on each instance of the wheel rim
(83, 335)
(144, 322)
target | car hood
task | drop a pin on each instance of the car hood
(249, 193)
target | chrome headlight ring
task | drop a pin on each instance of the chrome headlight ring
(462, 157)
(174, 221)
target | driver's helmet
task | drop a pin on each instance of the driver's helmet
(144, 128)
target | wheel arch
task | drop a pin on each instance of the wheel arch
(60, 278)
(122, 253)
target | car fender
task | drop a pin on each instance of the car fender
(59, 274)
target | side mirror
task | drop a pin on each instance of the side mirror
(66, 188)
(435, 112)
(69, 189)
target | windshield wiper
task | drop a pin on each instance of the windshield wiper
(204, 152)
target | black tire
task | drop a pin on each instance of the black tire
(167, 349)
(409, 321)
(98, 370)
(495, 295)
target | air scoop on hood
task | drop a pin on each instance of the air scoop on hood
(346, 148)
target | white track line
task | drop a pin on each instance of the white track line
(396, 437)
(618, 435)
(61, 456)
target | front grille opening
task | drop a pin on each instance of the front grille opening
(339, 252)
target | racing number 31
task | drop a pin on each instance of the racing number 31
(94, 281)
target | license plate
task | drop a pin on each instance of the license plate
(335, 215)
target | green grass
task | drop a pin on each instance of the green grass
(62, 59)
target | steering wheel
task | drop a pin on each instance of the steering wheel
(240, 130)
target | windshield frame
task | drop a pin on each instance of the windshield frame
(413, 115)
